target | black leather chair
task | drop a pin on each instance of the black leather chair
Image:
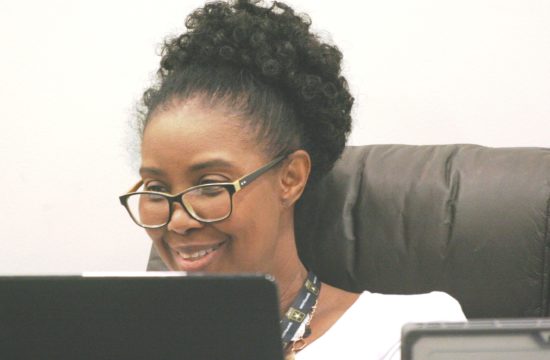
(465, 219)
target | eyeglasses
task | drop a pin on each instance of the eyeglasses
(206, 203)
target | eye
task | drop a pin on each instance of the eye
(153, 198)
(212, 191)
(155, 186)
(212, 180)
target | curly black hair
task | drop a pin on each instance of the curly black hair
(265, 62)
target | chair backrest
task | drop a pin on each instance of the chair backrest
(465, 219)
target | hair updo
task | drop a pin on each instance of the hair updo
(266, 64)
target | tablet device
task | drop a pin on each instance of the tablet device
(509, 339)
(143, 316)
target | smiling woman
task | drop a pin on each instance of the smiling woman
(255, 237)
(249, 110)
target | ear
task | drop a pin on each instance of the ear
(294, 177)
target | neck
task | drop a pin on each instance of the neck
(289, 272)
(290, 286)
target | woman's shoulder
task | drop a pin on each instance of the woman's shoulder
(433, 306)
(371, 327)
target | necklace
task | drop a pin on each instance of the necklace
(295, 324)
(300, 343)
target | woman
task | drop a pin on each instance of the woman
(250, 108)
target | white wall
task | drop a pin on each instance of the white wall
(423, 71)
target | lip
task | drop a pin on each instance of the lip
(200, 263)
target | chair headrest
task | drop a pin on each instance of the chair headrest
(465, 219)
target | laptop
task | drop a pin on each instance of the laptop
(509, 339)
(140, 316)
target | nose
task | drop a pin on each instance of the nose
(181, 222)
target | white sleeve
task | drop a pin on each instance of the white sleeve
(439, 307)
(371, 328)
(433, 307)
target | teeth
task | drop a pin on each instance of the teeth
(199, 254)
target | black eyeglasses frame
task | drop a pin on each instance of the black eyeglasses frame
(231, 187)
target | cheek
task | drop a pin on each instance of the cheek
(156, 236)
(255, 215)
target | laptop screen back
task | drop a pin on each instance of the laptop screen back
(478, 339)
(144, 317)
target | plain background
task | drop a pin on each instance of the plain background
(422, 72)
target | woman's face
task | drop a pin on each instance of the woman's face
(187, 144)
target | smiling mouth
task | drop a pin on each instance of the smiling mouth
(193, 256)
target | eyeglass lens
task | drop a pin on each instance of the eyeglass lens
(209, 203)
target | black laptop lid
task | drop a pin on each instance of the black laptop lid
(139, 317)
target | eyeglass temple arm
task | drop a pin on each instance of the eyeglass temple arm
(136, 186)
(239, 183)
(247, 179)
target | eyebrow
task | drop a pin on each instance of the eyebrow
(211, 164)
(151, 170)
(220, 163)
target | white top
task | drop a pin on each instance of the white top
(371, 327)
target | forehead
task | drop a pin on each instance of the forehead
(186, 131)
